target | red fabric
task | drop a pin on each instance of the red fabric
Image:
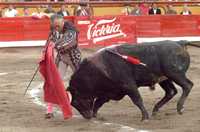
(54, 90)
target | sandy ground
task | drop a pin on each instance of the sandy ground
(20, 114)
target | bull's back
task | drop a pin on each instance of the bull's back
(159, 56)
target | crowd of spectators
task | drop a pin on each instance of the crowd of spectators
(144, 9)
(79, 10)
(85, 10)
(10, 12)
(170, 10)
(63, 11)
(186, 10)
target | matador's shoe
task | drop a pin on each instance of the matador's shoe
(49, 115)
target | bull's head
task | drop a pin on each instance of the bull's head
(84, 104)
(81, 89)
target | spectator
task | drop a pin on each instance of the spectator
(11, 12)
(127, 9)
(170, 10)
(83, 10)
(49, 10)
(186, 11)
(90, 9)
(144, 9)
(26, 11)
(39, 14)
(37, 11)
(154, 10)
(136, 11)
(63, 12)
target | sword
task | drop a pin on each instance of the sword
(37, 69)
(118, 54)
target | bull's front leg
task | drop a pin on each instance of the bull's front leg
(136, 98)
(97, 104)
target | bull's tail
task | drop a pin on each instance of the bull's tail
(185, 43)
(195, 44)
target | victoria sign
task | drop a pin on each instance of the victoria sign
(105, 31)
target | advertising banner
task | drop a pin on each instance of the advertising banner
(105, 30)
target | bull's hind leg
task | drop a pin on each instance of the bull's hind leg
(170, 92)
(186, 86)
(137, 100)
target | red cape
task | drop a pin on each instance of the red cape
(54, 89)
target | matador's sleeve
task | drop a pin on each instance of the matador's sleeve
(67, 41)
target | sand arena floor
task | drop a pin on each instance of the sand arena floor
(20, 114)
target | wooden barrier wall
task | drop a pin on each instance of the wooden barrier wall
(30, 28)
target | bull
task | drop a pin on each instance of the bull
(106, 76)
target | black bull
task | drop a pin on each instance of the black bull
(106, 76)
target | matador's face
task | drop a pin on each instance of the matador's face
(58, 25)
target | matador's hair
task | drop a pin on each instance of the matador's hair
(68, 25)
(53, 18)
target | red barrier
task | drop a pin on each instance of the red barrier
(25, 28)
(167, 26)
(180, 25)
(148, 26)
(11, 29)
(104, 30)
(35, 29)
(93, 32)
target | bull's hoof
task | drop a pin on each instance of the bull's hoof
(145, 120)
(154, 113)
(94, 115)
(180, 111)
(87, 115)
(155, 110)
